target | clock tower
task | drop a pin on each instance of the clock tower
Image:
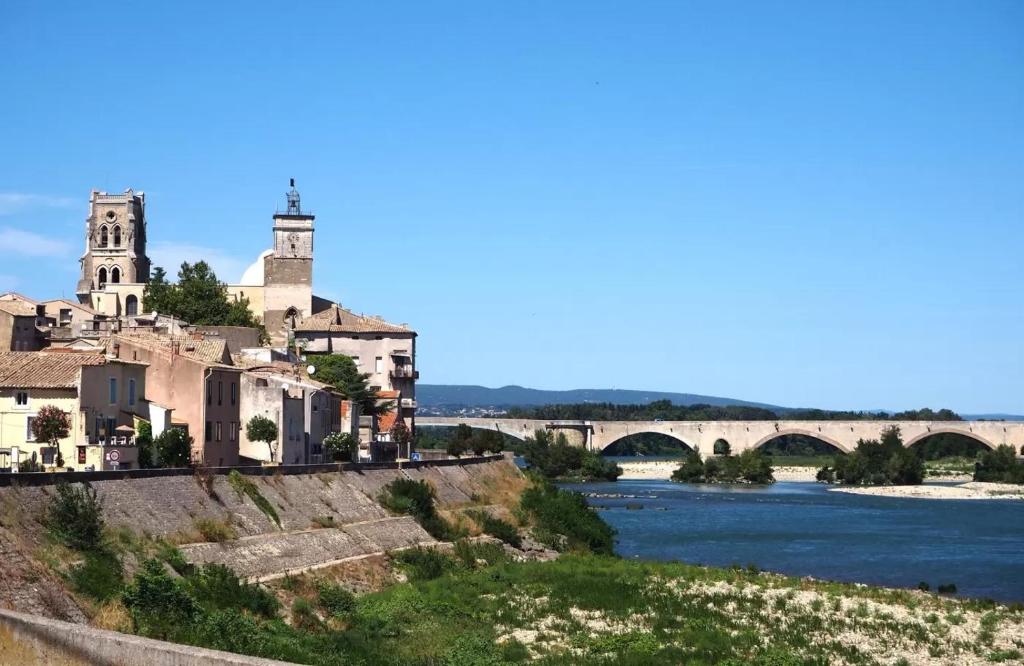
(288, 271)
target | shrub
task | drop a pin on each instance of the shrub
(75, 517)
(98, 576)
(1000, 466)
(416, 499)
(335, 599)
(304, 615)
(261, 429)
(173, 447)
(472, 553)
(877, 462)
(554, 458)
(216, 587)
(158, 605)
(214, 530)
(244, 486)
(425, 563)
(559, 512)
(691, 470)
(497, 528)
(339, 446)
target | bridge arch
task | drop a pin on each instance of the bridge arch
(645, 431)
(806, 433)
(950, 431)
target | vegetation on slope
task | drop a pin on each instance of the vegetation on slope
(554, 458)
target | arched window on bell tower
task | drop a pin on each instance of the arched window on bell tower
(115, 275)
(117, 236)
(103, 236)
(101, 277)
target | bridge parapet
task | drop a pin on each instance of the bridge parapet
(743, 435)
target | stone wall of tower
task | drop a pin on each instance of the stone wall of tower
(288, 286)
(115, 242)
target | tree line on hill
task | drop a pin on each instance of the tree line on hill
(666, 411)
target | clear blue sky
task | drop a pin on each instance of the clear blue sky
(802, 203)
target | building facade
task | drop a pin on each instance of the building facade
(114, 266)
(193, 378)
(104, 398)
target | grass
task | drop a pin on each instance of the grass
(217, 531)
(243, 486)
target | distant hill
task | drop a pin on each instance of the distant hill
(440, 399)
(436, 395)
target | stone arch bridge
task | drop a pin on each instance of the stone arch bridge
(741, 435)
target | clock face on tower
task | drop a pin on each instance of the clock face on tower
(293, 243)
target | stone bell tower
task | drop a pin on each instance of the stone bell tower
(288, 272)
(115, 244)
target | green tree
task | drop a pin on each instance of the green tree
(198, 298)
(878, 462)
(401, 435)
(144, 442)
(173, 448)
(51, 424)
(691, 470)
(158, 295)
(341, 372)
(261, 429)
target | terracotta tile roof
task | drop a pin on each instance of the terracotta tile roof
(15, 296)
(206, 350)
(18, 308)
(73, 304)
(45, 369)
(337, 319)
(390, 395)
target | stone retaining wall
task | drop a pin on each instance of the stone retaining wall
(30, 640)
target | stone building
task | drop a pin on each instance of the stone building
(279, 285)
(114, 267)
(104, 397)
(385, 351)
(22, 324)
(192, 377)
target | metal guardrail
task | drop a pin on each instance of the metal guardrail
(52, 478)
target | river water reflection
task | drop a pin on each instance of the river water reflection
(802, 529)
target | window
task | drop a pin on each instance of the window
(113, 390)
(103, 236)
(378, 364)
(220, 394)
(29, 435)
(115, 275)
(21, 399)
(47, 453)
(131, 392)
(65, 315)
(356, 360)
(131, 305)
(234, 392)
(219, 431)
(101, 277)
(209, 431)
(117, 237)
(209, 392)
(232, 431)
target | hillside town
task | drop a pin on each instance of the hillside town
(117, 370)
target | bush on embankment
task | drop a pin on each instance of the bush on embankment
(564, 521)
(555, 459)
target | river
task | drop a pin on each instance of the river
(802, 529)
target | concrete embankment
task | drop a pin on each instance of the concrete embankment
(324, 516)
(30, 640)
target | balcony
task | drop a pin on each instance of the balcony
(404, 372)
(407, 403)
(117, 440)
